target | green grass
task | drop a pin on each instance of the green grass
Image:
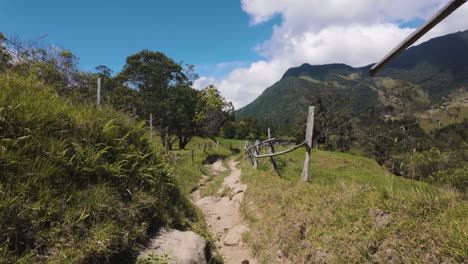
(429, 118)
(187, 172)
(350, 211)
(310, 79)
(79, 184)
(214, 183)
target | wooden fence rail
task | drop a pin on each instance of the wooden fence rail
(251, 151)
(282, 152)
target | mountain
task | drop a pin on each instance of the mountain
(423, 76)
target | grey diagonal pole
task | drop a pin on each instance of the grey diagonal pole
(432, 22)
(309, 135)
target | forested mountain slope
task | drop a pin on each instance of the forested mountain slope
(422, 76)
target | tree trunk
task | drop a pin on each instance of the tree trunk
(183, 141)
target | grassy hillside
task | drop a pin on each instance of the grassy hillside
(352, 211)
(78, 184)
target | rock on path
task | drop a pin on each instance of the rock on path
(181, 247)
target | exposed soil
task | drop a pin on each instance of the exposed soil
(222, 216)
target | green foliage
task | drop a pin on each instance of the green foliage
(78, 184)
(212, 111)
(150, 72)
(228, 130)
(407, 151)
(162, 87)
(5, 57)
(444, 168)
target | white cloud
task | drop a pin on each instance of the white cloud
(356, 32)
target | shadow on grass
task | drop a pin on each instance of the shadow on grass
(212, 158)
(235, 151)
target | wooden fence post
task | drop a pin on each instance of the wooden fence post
(204, 147)
(272, 150)
(309, 134)
(245, 150)
(192, 155)
(256, 151)
(251, 153)
(255, 160)
(98, 95)
(217, 144)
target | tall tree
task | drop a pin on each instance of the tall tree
(150, 71)
(213, 111)
(152, 74)
(181, 120)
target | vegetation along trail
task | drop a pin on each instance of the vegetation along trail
(222, 215)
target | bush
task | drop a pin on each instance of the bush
(435, 166)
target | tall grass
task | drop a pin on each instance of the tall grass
(352, 211)
(78, 184)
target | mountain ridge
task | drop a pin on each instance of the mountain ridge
(420, 78)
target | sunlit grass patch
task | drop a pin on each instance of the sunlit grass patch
(350, 211)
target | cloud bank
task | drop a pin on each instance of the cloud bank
(355, 32)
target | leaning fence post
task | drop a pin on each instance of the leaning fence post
(272, 150)
(309, 134)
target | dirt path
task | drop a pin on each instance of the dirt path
(222, 216)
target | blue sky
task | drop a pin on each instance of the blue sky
(205, 33)
(240, 46)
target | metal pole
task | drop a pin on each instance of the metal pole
(436, 19)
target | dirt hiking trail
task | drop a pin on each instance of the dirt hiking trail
(222, 215)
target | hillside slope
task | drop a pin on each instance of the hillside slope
(422, 76)
(78, 184)
(351, 211)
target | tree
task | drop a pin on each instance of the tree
(149, 72)
(212, 111)
(103, 71)
(181, 119)
(5, 57)
(152, 74)
(228, 130)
